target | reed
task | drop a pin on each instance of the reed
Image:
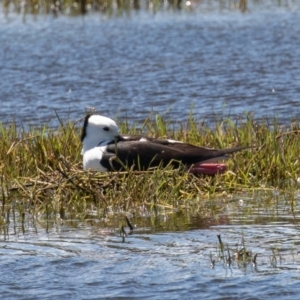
(124, 7)
(43, 166)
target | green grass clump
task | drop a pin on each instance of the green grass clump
(42, 167)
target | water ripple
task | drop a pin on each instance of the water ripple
(221, 64)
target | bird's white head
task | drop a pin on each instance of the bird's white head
(98, 130)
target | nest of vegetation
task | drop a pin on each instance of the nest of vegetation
(43, 166)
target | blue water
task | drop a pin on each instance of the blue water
(219, 63)
(86, 261)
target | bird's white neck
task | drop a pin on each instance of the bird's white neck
(91, 143)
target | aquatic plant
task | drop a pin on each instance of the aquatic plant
(126, 7)
(43, 166)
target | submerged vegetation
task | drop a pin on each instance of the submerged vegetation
(42, 167)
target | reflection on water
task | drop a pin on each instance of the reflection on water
(125, 8)
(159, 259)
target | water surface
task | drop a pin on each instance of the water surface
(219, 62)
(167, 256)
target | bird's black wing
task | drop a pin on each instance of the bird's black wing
(144, 154)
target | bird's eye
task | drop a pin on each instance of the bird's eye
(106, 128)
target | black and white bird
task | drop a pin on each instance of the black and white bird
(104, 149)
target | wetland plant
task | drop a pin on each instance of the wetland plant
(40, 167)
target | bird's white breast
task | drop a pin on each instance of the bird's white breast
(92, 158)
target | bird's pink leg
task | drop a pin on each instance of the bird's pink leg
(207, 168)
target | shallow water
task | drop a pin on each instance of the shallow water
(221, 62)
(88, 260)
